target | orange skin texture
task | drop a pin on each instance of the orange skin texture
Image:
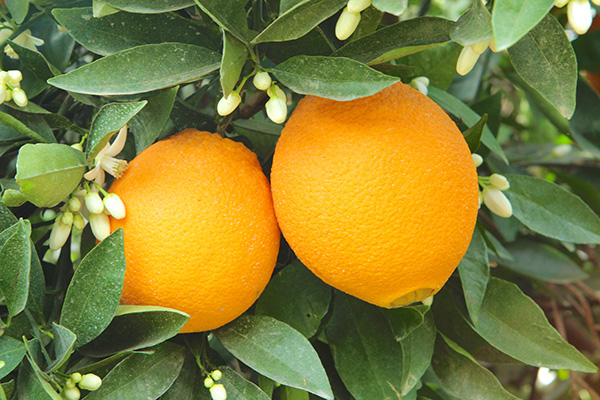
(377, 196)
(200, 231)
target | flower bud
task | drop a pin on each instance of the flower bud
(48, 215)
(100, 225)
(477, 159)
(262, 80)
(466, 60)
(114, 205)
(8, 95)
(218, 392)
(420, 83)
(14, 76)
(208, 382)
(78, 222)
(356, 6)
(596, 2)
(90, 382)
(562, 150)
(216, 375)
(346, 24)
(480, 47)
(279, 93)
(74, 204)
(76, 377)
(2, 93)
(579, 13)
(70, 383)
(3, 77)
(19, 97)
(497, 202)
(499, 181)
(560, 3)
(67, 218)
(276, 110)
(228, 104)
(71, 394)
(59, 234)
(94, 203)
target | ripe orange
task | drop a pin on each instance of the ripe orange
(377, 196)
(200, 231)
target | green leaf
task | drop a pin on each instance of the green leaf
(517, 326)
(239, 388)
(314, 43)
(474, 133)
(262, 134)
(462, 376)
(13, 123)
(436, 63)
(235, 54)
(585, 125)
(136, 327)
(297, 297)
(587, 49)
(142, 374)
(417, 349)
(512, 19)
(545, 59)
(37, 284)
(456, 107)
(473, 26)
(395, 7)
(299, 20)
(12, 352)
(404, 320)
(18, 9)
(95, 290)
(229, 15)
(15, 265)
(140, 69)
(31, 386)
(149, 6)
(64, 341)
(108, 121)
(474, 270)
(335, 78)
(366, 354)
(189, 385)
(552, 211)
(35, 62)
(275, 350)
(148, 123)
(120, 31)
(398, 40)
(544, 262)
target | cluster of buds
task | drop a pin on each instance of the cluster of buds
(276, 106)
(491, 194)
(217, 390)
(470, 54)
(10, 88)
(89, 382)
(349, 18)
(579, 13)
(421, 83)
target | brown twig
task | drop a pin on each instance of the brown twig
(587, 314)
(582, 383)
(588, 290)
(558, 319)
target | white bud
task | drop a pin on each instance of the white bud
(2, 93)
(497, 202)
(228, 104)
(78, 222)
(90, 382)
(208, 382)
(346, 24)
(19, 97)
(423, 79)
(480, 200)
(76, 377)
(596, 2)
(356, 6)
(15, 76)
(100, 225)
(421, 83)
(67, 218)
(218, 392)
(70, 383)
(216, 375)
(8, 95)
(71, 394)
(499, 181)
(59, 234)
(74, 204)
(477, 159)
(114, 205)
(279, 93)
(276, 110)
(262, 80)
(3, 77)
(580, 15)
(466, 60)
(48, 215)
(94, 203)
(560, 3)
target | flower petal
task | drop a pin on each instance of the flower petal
(119, 143)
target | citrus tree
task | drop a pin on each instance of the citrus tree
(436, 183)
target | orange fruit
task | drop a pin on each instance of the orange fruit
(200, 231)
(377, 196)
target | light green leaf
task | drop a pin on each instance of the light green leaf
(229, 15)
(289, 393)
(12, 352)
(334, 78)
(140, 69)
(474, 26)
(474, 270)
(147, 124)
(512, 19)
(149, 6)
(417, 349)
(15, 265)
(275, 350)
(64, 341)
(239, 388)
(395, 7)
(95, 290)
(235, 54)
(18, 9)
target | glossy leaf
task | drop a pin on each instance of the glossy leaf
(359, 335)
(551, 210)
(297, 297)
(95, 290)
(35, 62)
(149, 6)
(335, 78)
(229, 15)
(150, 374)
(417, 349)
(15, 265)
(395, 7)
(235, 54)
(140, 69)
(473, 134)
(474, 26)
(239, 388)
(314, 43)
(12, 352)
(189, 385)
(398, 40)
(31, 386)
(404, 320)
(512, 19)
(150, 121)
(584, 124)
(277, 351)
(545, 59)
(474, 273)
(64, 341)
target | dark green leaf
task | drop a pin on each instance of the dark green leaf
(474, 270)
(473, 26)
(364, 349)
(31, 386)
(398, 40)
(396, 7)
(35, 62)
(299, 20)
(276, 350)
(124, 30)
(235, 54)
(262, 134)
(512, 19)
(95, 290)
(289, 393)
(296, 297)
(314, 43)
(12, 352)
(15, 265)
(417, 349)
(64, 340)
(405, 320)
(141, 69)
(239, 388)
(37, 284)
(150, 375)
(147, 125)
(585, 124)
(545, 59)
(333, 78)
(474, 133)
(229, 15)
(189, 385)
(17, 126)
(18, 9)
(587, 49)
(551, 210)
(149, 6)
(436, 63)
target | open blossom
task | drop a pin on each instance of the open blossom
(106, 162)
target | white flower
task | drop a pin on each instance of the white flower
(218, 392)
(497, 202)
(94, 203)
(14, 76)
(262, 80)
(114, 205)
(26, 39)
(106, 161)
(228, 104)
(477, 159)
(346, 24)
(356, 6)
(90, 382)
(276, 109)
(100, 225)
(579, 13)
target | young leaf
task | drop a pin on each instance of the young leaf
(149, 6)
(12, 352)
(150, 374)
(140, 69)
(551, 210)
(189, 385)
(235, 54)
(297, 297)
(334, 78)
(147, 124)
(584, 124)
(473, 134)
(64, 340)
(417, 349)
(474, 270)
(229, 15)
(395, 7)
(95, 290)
(474, 26)
(359, 335)
(512, 19)
(239, 388)
(545, 59)
(276, 350)
(15, 264)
